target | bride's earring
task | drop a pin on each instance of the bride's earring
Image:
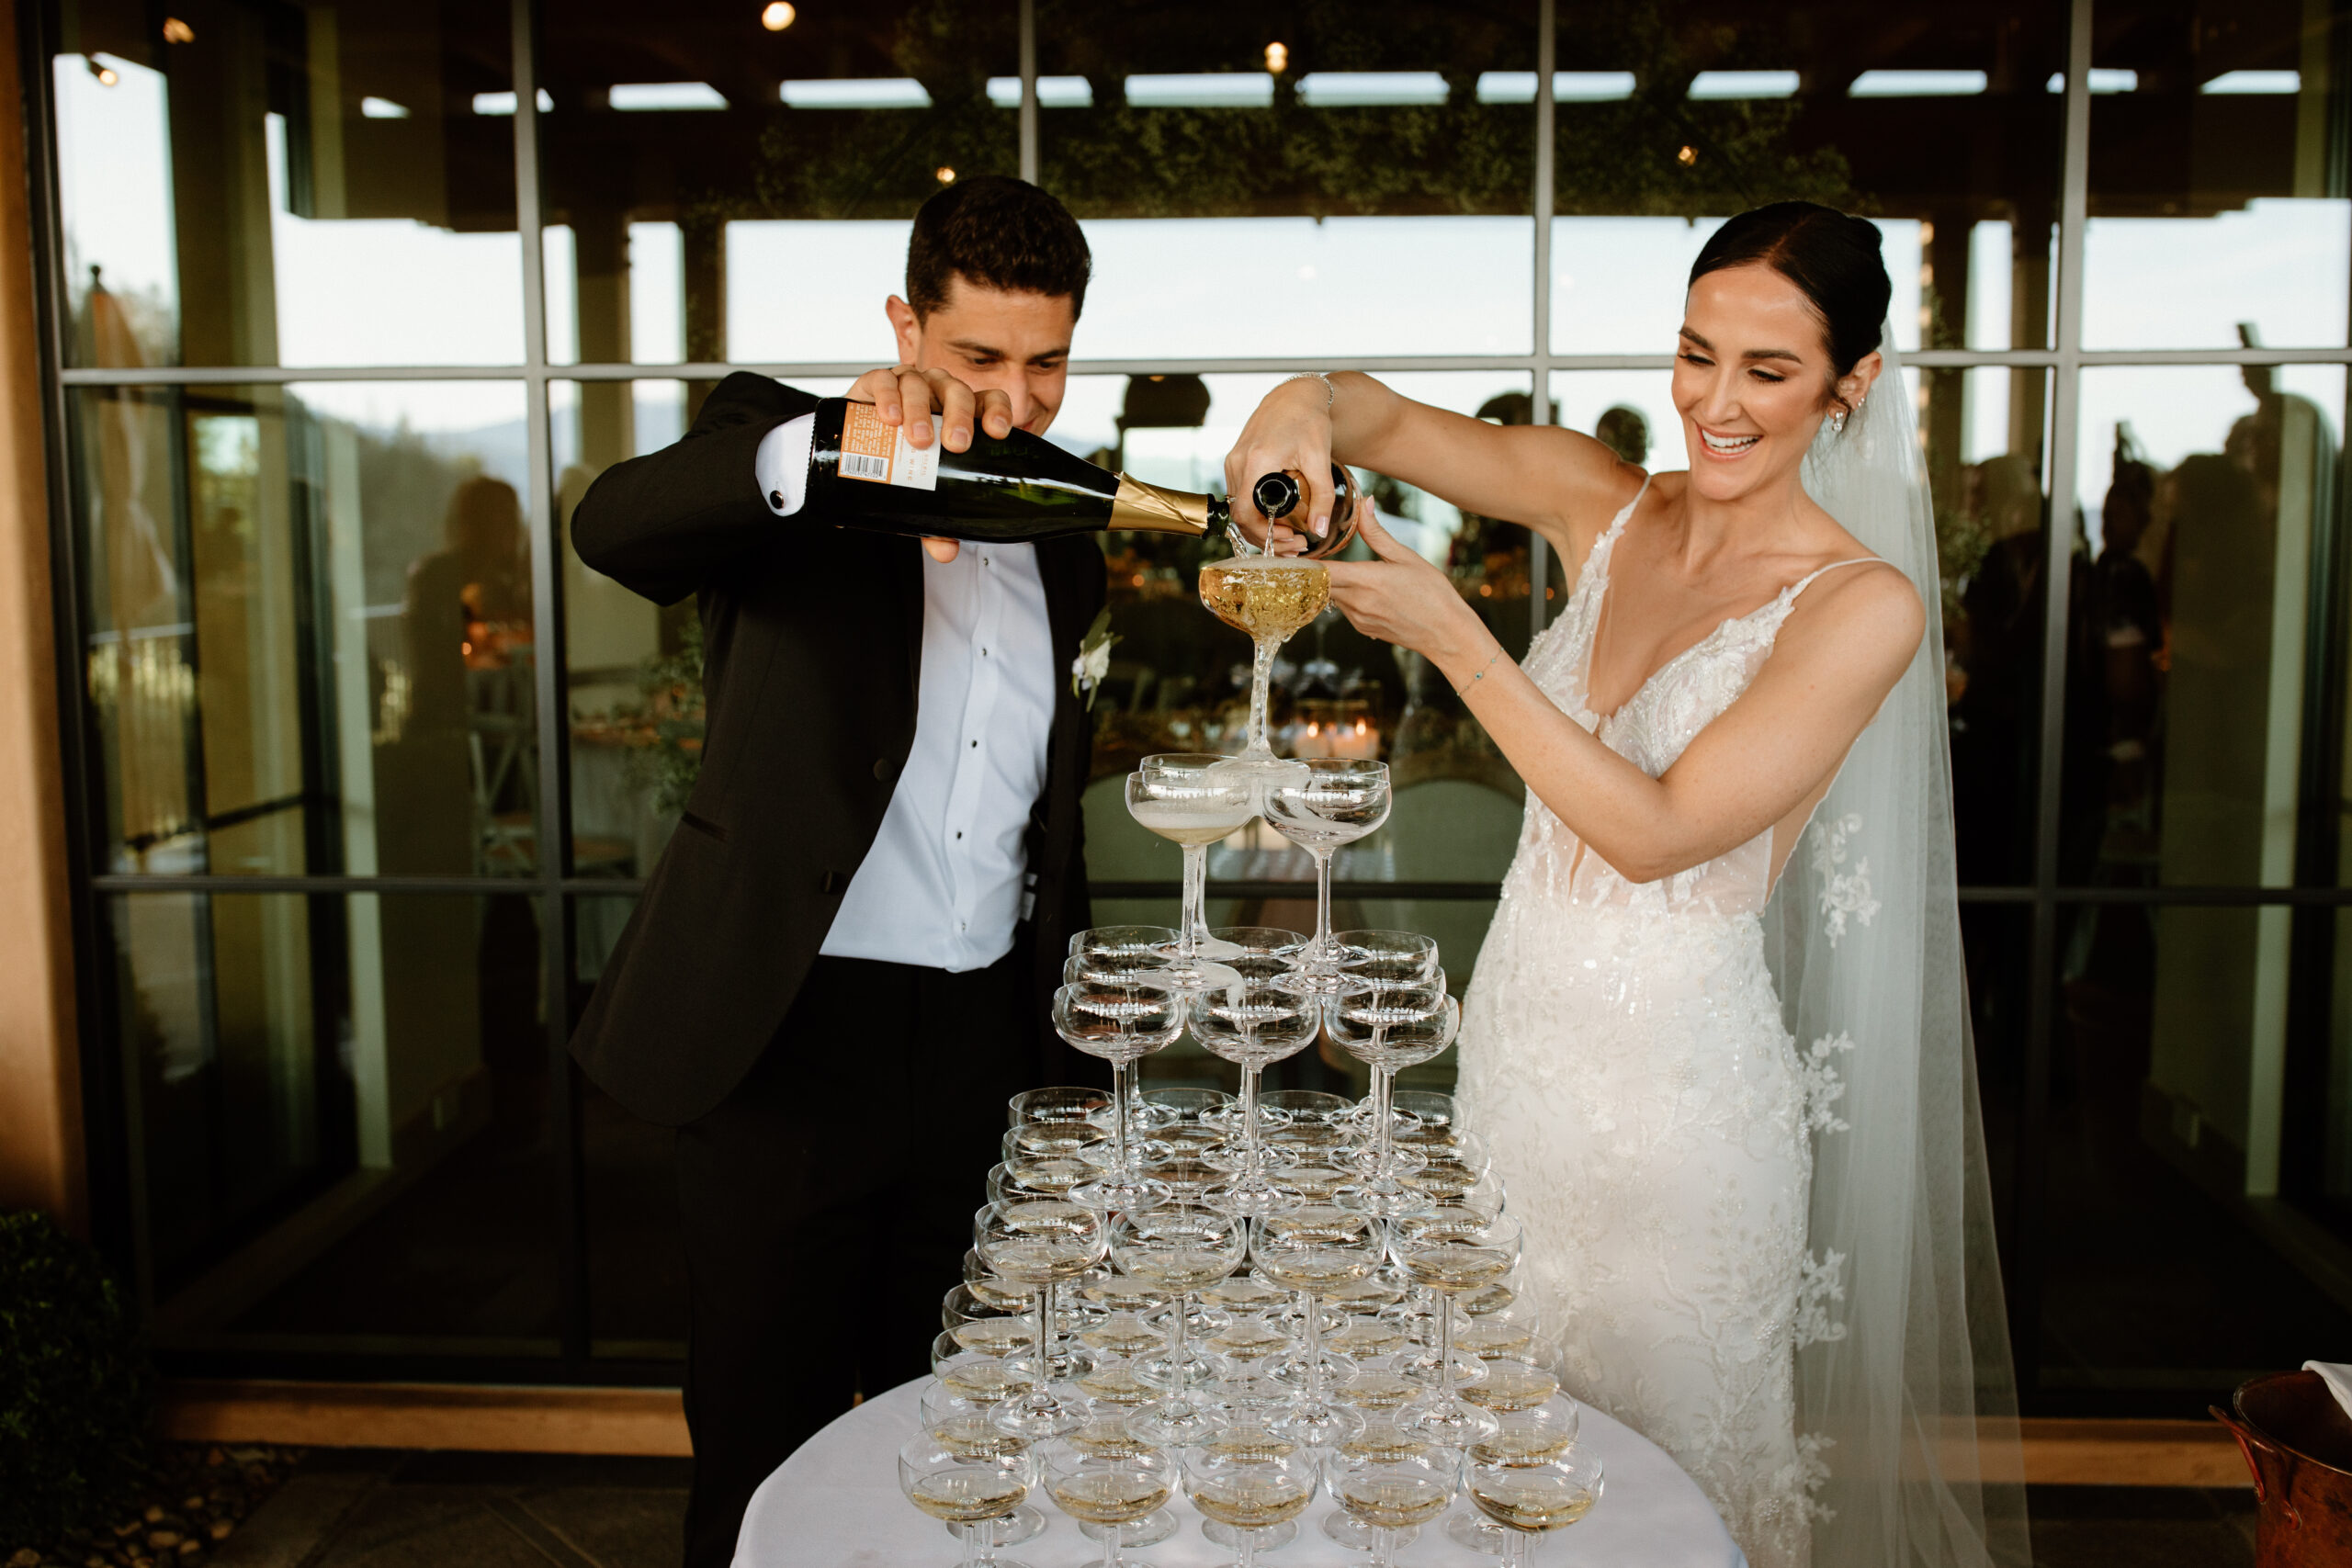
(1837, 423)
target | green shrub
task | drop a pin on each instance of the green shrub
(73, 1384)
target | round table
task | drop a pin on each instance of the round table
(836, 1502)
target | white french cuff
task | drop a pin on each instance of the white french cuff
(782, 464)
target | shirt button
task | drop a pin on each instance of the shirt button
(959, 835)
(975, 744)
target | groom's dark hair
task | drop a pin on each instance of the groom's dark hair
(1833, 256)
(997, 232)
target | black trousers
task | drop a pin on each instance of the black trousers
(826, 1207)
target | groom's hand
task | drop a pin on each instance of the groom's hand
(908, 396)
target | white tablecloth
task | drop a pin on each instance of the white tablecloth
(835, 1504)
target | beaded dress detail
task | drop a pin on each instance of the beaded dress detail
(1623, 1055)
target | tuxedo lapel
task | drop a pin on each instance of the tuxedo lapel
(905, 581)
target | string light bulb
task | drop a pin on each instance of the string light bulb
(177, 31)
(777, 15)
(1688, 157)
(1277, 59)
(946, 175)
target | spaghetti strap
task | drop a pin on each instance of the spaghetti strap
(1625, 513)
(1604, 546)
(1801, 583)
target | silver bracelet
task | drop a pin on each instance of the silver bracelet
(1331, 393)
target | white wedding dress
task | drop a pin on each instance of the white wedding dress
(1623, 1055)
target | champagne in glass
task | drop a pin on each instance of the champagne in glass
(1453, 1251)
(1194, 799)
(1528, 1496)
(967, 1485)
(1267, 598)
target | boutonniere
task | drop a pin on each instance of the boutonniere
(1094, 660)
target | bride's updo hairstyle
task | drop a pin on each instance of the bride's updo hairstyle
(1831, 256)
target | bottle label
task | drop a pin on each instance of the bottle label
(874, 451)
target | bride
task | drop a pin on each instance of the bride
(1740, 1129)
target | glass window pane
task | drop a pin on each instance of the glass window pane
(719, 191)
(339, 1119)
(637, 1264)
(2175, 1269)
(1660, 137)
(634, 667)
(2211, 698)
(315, 186)
(2217, 196)
(1356, 184)
(308, 627)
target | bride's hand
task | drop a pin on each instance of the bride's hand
(1291, 430)
(1401, 598)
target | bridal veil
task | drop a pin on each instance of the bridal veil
(1906, 1391)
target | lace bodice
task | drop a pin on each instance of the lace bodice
(1683, 696)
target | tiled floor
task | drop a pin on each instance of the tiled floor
(377, 1509)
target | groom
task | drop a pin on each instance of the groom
(842, 965)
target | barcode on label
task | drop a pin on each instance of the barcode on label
(864, 466)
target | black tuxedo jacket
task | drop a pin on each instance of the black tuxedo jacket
(813, 643)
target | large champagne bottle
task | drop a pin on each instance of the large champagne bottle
(862, 472)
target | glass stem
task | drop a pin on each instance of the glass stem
(1195, 917)
(1314, 1349)
(1247, 1550)
(1119, 1103)
(1250, 1158)
(1445, 1347)
(1045, 1339)
(970, 1532)
(1261, 674)
(1517, 1548)
(1384, 1141)
(1321, 951)
(1110, 1537)
(1176, 1350)
(1384, 1547)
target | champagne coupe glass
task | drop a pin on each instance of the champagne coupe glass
(966, 1483)
(1329, 801)
(1121, 1022)
(1389, 1481)
(1105, 1435)
(1250, 1486)
(1114, 952)
(1452, 1250)
(1062, 1103)
(1109, 1484)
(1180, 1249)
(1313, 1250)
(1039, 1242)
(1253, 1026)
(1389, 1027)
(1529, 1497)
(1530, 1437)
(1266, 598)
(1194, 799)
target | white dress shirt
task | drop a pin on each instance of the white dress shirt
(942, 886)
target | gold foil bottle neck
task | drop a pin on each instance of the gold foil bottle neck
(1148, 508)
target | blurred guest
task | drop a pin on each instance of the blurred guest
(1623, 431)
